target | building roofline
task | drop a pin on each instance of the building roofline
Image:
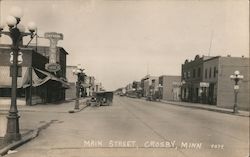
(7, 46)
(170, 76)
(211, 58)
(71, 66)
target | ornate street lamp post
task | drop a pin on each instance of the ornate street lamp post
(183, 94)
(80, 77)
(236, 77)
(16, 33)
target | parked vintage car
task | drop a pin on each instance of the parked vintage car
(103, 98)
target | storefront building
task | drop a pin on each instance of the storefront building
(191, 78)
(35, 84)
(207, 80)
(169, 87)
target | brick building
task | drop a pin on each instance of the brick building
(191, 77)
(35, 84)
(217, 71)
(206, 80)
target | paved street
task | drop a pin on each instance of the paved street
(134, 127)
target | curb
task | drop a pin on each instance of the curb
(208, 109)
(75, 111)
(80, 109)
(26, 138)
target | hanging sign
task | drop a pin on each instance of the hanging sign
(53, 66)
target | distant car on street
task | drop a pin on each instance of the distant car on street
(103, 98)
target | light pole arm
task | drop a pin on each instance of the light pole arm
(4, 33)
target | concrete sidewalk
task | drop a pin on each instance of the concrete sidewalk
(206, 107)
(57, 107)
(43, 115)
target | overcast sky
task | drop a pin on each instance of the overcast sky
(121, 41)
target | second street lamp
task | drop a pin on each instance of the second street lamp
(80, 78)
(16, 33)
(236, 77)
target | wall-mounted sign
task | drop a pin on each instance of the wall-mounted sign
(204, 84)
(19, 58)
(53, 66)
(54, 35)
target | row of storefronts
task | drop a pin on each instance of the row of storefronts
(155, 88)
(205, 80)
(87, 87)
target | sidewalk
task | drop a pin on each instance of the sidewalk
(42, 115)
(58, 107)
(206, 107)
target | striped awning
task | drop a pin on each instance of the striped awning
(24, 81)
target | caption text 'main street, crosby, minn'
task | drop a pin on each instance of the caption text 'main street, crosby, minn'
(148, 144)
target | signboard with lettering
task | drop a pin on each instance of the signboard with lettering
(204, 84)
(236, 87)
(52, 66)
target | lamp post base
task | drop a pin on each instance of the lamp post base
(12, 133)
(77, 104)
(235, 110)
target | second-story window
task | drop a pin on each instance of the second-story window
(205, 73)
(210, 72)
(194, 73)
(185, 75)
(215, 71)
(199, 72)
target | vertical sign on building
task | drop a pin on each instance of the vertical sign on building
(53, 66)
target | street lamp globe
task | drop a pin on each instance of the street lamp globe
(241, 77)
(1, 26)
(236, 72)
(21, 28)
(232, 77)
(16, 12)
(32, 26)
(11, 21)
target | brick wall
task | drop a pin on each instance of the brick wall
(225, 94)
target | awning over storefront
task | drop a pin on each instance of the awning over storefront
(50, 76)
(39, 77)
(38, 80)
